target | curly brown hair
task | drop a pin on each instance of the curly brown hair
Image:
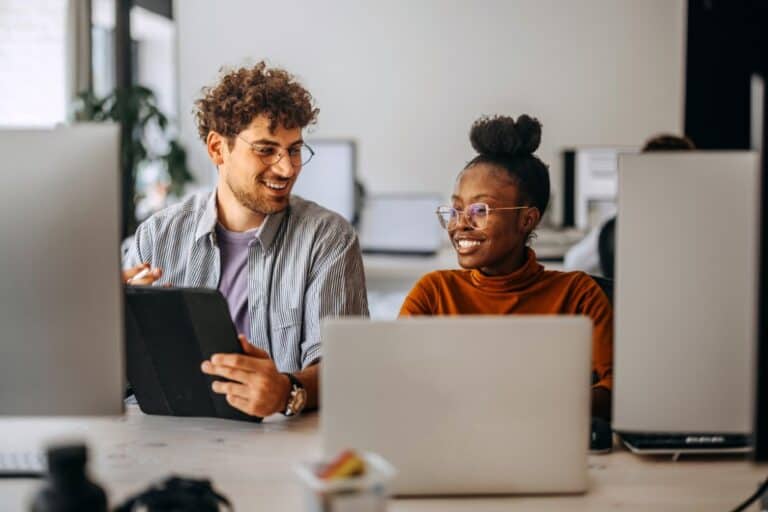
(245, 93)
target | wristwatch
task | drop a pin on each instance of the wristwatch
(297, 398)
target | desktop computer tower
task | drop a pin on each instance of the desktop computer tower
(685, 298)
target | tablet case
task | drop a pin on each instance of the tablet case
(169, 333)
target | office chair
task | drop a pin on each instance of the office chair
(606, 285)
(606, 249)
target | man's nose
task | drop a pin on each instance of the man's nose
(284, 167)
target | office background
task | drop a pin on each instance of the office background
(403, 79)
(407, 79)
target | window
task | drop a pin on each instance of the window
(33, 77)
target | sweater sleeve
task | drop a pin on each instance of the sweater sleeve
(420, 299)
(595, 304)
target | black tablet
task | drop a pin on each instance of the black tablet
(169, 332)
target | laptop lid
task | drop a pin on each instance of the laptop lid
(462, 405)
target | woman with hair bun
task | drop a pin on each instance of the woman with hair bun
(498, 201)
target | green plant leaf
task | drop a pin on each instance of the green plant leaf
(135, 108)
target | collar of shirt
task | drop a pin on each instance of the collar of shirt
(206, 227)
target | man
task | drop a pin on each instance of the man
(282, 262)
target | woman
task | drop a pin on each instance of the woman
(499, 199)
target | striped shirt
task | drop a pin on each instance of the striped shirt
(306, 266)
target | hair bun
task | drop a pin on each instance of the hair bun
(503, 136)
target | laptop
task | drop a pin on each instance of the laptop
(685, 296)
(462, 405)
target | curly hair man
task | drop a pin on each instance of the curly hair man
(281, 262)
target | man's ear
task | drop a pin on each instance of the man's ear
(216, 145)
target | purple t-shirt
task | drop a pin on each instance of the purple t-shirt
(233, 284)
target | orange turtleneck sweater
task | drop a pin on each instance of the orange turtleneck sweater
(528, 290)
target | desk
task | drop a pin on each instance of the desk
(388, 278)
(253, 466)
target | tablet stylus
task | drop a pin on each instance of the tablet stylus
(140, 275)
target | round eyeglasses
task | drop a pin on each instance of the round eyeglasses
(476, 214)
(298, 154)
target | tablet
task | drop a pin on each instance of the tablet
(169, 333)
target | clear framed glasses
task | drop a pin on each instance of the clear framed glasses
(476, 214)
(299, 155)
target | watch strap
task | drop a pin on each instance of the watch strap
(295, 386)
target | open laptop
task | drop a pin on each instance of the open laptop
(462, 405)
(685, 301)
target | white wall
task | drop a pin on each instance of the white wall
(406, 78)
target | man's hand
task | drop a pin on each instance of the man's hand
(258, 388)
(142, 274)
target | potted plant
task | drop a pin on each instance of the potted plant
(135, 108)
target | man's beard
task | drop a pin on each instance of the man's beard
(253, 201)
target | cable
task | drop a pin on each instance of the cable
(759, 492)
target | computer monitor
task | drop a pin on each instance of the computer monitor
(685, 294)
(589, 184)
(61, 320)
(401, 224)
(330, 178)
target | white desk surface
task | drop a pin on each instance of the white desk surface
(253, 466)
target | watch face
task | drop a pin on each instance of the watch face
(298, 400)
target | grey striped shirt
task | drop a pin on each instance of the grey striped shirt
(307, 266)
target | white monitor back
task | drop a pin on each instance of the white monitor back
(596, 182)
(329, 178)
(401, 224)
(61, 327)
(685, 292)
(462, 405)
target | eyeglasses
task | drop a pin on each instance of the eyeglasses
(476, 215)
(298, 155)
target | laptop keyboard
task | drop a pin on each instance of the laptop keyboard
(692, 441)
(22, 464)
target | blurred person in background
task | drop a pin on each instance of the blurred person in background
(587, 254)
